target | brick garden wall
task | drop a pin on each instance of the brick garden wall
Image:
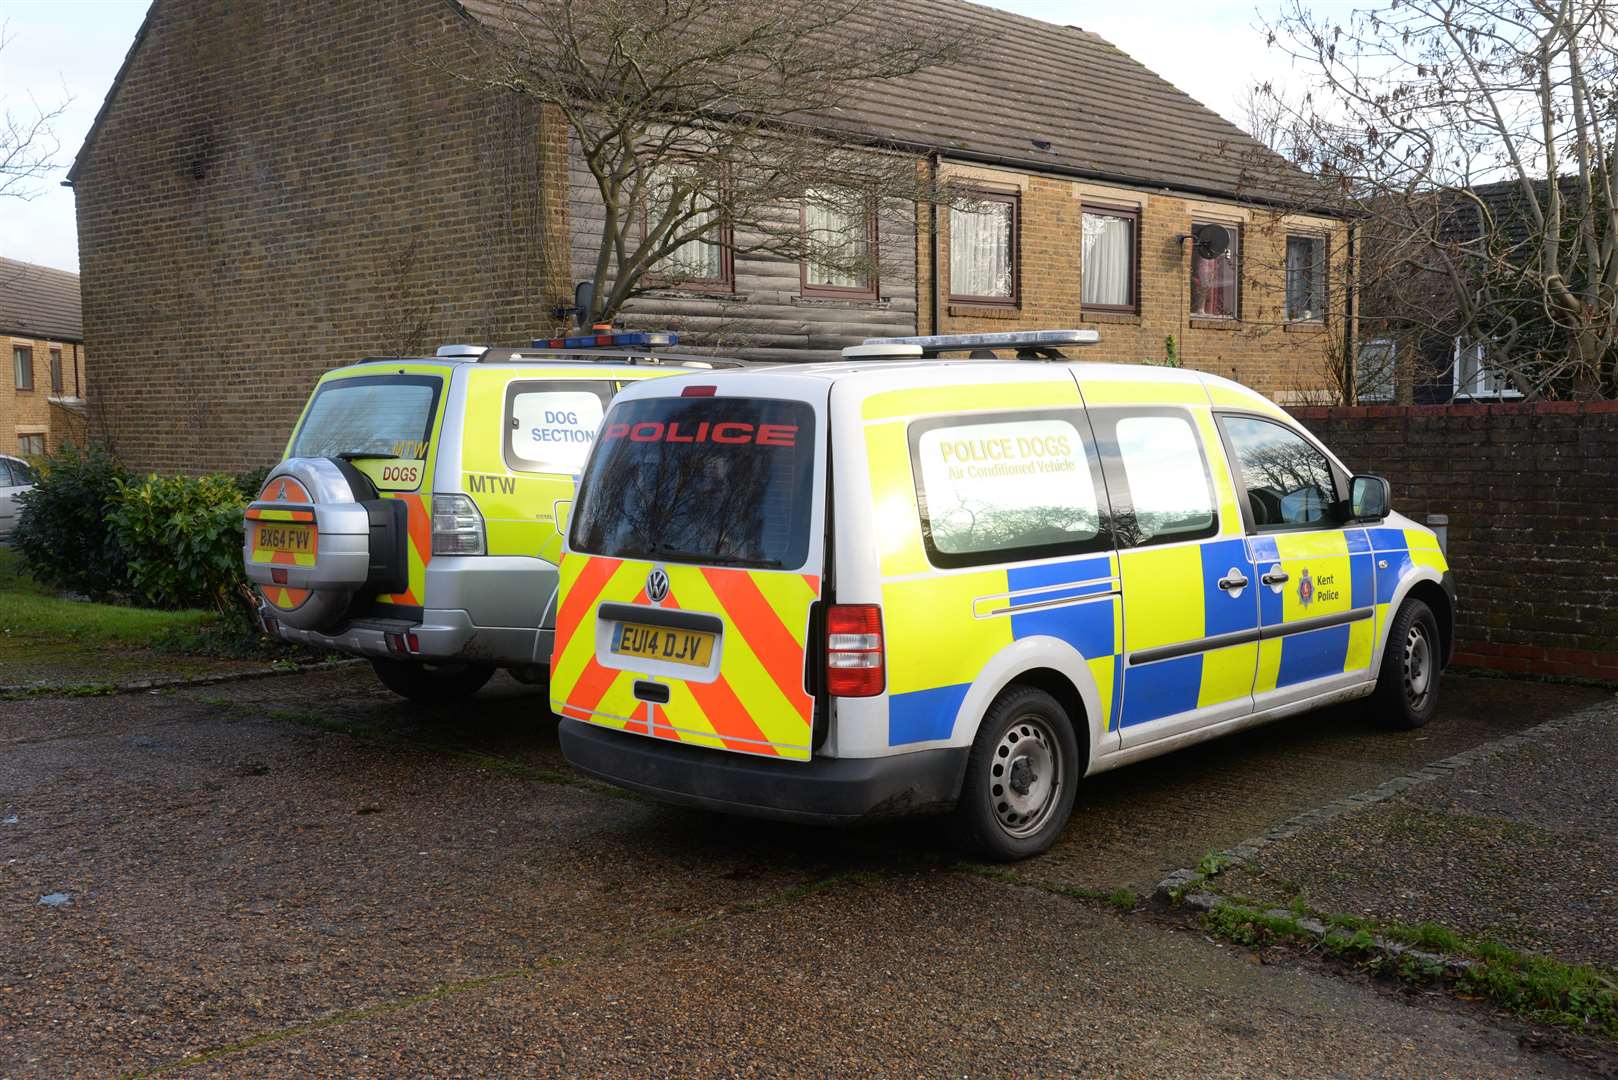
(1531, 491)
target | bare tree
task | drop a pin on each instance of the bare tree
(27, 145)
(1475, 140)
(705, 124)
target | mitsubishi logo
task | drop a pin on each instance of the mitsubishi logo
(281, 492)
(657, 585)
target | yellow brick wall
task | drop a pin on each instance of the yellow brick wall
(33, 412)
(1291, 362)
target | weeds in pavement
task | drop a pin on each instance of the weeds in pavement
(1541, 989)
(1250, 926)
(73, 690)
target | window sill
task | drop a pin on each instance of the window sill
(1305, 326)
(1214, 323)
(696, 294)
(854, 303)
(984, 311)
(1117, 318)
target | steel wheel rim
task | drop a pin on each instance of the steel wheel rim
(1026, 776)
(1418, 667)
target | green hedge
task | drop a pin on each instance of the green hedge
(62, 530)
(160, 541)
(182, 541)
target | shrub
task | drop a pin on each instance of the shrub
(251, 482)
(63, 527)
(182, 540)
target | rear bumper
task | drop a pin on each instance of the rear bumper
(443, 636)
(837, 791)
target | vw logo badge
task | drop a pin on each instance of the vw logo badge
(657, 585)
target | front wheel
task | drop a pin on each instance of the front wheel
(1021, 777)
(432, 684)
(1407, 686)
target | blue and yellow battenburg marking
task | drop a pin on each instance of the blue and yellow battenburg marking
(930, 646)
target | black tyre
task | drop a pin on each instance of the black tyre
(432, 684)
(1021, 777)
(1407, 686)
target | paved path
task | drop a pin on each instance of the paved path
(1521, 847)
(304, 874)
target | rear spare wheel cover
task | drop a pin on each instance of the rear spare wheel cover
(306, 546)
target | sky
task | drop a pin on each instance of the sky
(69, 50)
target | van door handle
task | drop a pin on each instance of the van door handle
(1232, 581)
(1276, 577)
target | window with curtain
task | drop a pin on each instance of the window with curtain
(22, 366)
(1108, 255)
(983, 249)
(1216, 281)
(56, 371)
(846, 237)
(700, 261)
(1306, 278)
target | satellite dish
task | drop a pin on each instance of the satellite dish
(1212, 240)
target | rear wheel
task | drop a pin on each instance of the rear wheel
(1407, 687)
(1021, 777)
(432, 684)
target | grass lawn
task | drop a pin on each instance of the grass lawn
(33, 612)
(52, 644)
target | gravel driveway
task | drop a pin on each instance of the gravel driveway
(303, 874)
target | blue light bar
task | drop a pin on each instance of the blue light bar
(1014, 339)
(641, 339)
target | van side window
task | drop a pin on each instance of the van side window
(1006, 487)
(1288, 482)
(1164, 493)
(551, 425)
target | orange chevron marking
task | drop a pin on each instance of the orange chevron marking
(752, 616)
(729, 717)
(581, 597)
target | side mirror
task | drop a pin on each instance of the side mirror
(1368, 498)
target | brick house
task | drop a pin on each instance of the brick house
(42, 333)
(271, 190)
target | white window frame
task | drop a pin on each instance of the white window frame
(1479, 382)
(1387, 385)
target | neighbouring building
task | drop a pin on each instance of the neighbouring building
(273, 189)
(42, 389)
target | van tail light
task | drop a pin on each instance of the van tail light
(457, 526)
(855, 659)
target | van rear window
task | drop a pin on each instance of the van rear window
(381, 415)
(716, 481)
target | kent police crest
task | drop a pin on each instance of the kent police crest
(657, 585)
(1306, 589)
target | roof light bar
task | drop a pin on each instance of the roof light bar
(635, 340)
(882, 352)
(1015, 339)
(1030, 344)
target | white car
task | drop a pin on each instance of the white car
(16, 477)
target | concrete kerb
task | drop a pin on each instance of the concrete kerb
(1180, 885)
(43, 689)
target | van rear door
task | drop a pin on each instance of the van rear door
(694, 560)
